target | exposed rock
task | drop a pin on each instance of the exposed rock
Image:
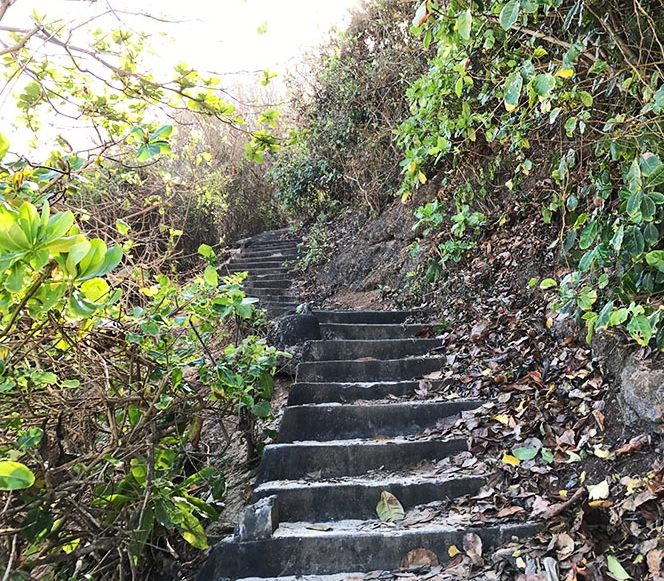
(259, 520)
(639, 381)
(289, 333)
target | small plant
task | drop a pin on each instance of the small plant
(430, 218)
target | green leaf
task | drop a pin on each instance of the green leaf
(4, 146)
(162, 133)
(464, 23)
(586, 98)
(634, 181)
(509, 14)
(616, 569)
(548, 283)
(262, 410)
(543, 84)
(15, 476)
(211, 276)
(618, 317)
(122, 227)
(512, 90)
(588, 234)
(656, 259)
(525, 453)
(206, 251)
(389, 508)
(640, 329)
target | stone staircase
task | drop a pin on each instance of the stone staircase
(351, 430)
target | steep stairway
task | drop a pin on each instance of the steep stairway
(351, 430)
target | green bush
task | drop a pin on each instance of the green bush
(508, 77)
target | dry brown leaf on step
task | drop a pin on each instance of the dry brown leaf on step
(419, 558)
(434, 375)
(509, 511)
(654, 560)
(318, 527)
(472, 545)
(634, 445)
(418, 517)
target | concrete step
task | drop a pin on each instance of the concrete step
(338, 458)
(363, 317)
(320, 422)
(356, 498)
(259, 263)
(273, 245)
(271, 292)
(254, 272)
(277, 299)
(304, 549)
(306, 393)
(274, 283)
(371, 370)
(357, 332)
(260, 277)
(379, 349)
(288, 253)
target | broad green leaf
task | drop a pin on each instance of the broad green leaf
(162, 133)
(211, 276)
(206, 251)
(616, 569)
(586, 98)
(634, 181)
(650, 164)
(525, 453)
(588, 234)
(543, 84)
(618, 317)
(548, 283)
(122, 227)
(389, 508)
(15, 476)
(262, 409)
(512, 90)
(4, 146)
(640, 329)
(656, 259)
(509, 14)
(464, 23)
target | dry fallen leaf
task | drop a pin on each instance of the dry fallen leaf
(598, 491)
(472, 545)
(418, 558)
(509, 511)
(389, 508)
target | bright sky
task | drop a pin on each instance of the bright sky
(221, 36)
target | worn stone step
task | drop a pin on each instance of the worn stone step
(356, 498)
(331, 392)
(320, 422)
(273, 245)
(371, 370)
(379, 349)
(268, 283)
(270, 272)
(248, 264)
(276, 299)
(271, 292)
(363, 317)
(300, 549)
(354, 331)
(256, 277)
(337, 458)
(277, 253)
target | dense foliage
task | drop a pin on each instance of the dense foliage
(346, 107)
(513, 78)
(116, 366)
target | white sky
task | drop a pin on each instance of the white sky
(212, 35)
